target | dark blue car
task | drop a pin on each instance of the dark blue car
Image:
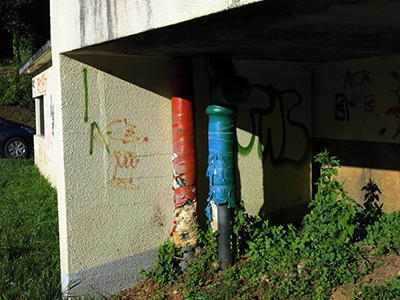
(16, 140)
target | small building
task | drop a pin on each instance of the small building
(40, 67)
(321, 74)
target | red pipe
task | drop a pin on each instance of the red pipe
(183, 148)
(184, 232)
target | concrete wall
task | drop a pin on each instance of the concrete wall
(115, 196)
(116, 204)
(46, 146)
(357, 117)
(274, 152)
(84, 22)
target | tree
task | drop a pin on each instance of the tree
(24, 28)
(25, 24)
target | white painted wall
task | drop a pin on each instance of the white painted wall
(370, 109)
(265, 187)
(359, 101)
(114, 185)
(46, 151)
(81, 23)
(117, 198)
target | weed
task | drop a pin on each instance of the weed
(166, 265)
(384, 234)
(330, 229)
(205, 259)
(389, 291)
(279, 262)
(244, 227)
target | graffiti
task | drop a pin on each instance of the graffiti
(342, 112)
(124, 160)
(370, 103)
(122, 131)
(39, 85)
(52, 115)
(96, 135)
(395, 110)
(276, 101)
(50, 132)
(358, 78)
(86, 95)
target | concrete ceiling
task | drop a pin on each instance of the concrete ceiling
(291, 30)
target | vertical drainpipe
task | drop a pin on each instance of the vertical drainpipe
(221, 174)
(184, 232)
(227, 91)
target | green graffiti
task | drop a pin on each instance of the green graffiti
(245, 150)
(86, 94)
(98, 137)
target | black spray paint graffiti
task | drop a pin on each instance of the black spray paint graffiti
(395, 109)
(276, 101)
(342, 107)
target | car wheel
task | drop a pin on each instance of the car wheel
(16, 148)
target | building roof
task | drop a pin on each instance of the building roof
(39, 61)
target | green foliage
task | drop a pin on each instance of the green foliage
(28, 31)
(310, 261)
(205, 259)
(29, 249)
(279, 262)
(15, 89)
(22, 29)
(244, 227)
(384, 234)
(389, 291)
(330, 229)
(166, 266)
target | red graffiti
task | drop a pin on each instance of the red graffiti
(370, 103)
(122, 131)
(125, 159)
(358, 78)
(146, 139)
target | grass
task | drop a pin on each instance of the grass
(29, 251)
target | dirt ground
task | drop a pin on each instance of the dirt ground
(385, 267)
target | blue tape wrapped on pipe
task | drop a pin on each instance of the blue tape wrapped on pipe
(221, 162)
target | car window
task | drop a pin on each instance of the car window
(2, 124)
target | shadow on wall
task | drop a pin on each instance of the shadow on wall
(150, 73)
(364, 161)
(282, 142)
(273, 138)
(361, 154)
(271, 116)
